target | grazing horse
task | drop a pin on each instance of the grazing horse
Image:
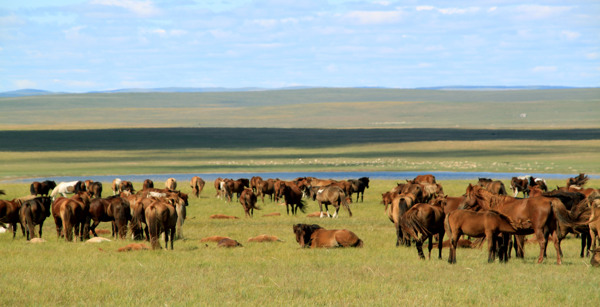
(34, 212)
(197, 185)
(359, 185)
(293, 198)
(70, 187)
(520, 184)
(545, 213)
(9, 213)
(248, 201)
(161, 217)
(95, 189)
(255, 182)
(426, 220)
(315, 236)
(126, 186)
(488, 224)
(494, 186)
(42, 188)
(331, 195)
(148, 184)
(111, 209)
(266, 187)
(578, 181)
(171, 184)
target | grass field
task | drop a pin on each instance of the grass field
(280, 273)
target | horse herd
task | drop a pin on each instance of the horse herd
(419, 210)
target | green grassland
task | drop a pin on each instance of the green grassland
(280, 273)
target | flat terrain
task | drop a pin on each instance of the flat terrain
(280, 273)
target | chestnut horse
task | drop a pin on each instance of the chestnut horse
(42, 188)
(171, 184)
(34, 212)
(161, 217)
(255, 182)
(488, 224)
(315, 236)
(545, 213)
(248, 201)
(76, 211)
(426, 220)
(266, 187)
(494, 186)
(331, 195)
(197, 185)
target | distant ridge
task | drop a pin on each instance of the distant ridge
(37, 92)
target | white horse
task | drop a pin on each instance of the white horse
(64, 188)
(116, 186)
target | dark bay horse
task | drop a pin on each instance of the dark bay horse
(494, 186)
(426, 220)
(34, 212)
(293, 197)
(266, 187)
(9, 213)
(111, 209)
(489, 224)
(578, 181)
(316, 236)
(358, 186)
(544, 213)
(42, 188)
(331, 195)
(148, 184)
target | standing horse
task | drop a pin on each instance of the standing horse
(197, 185)
(315, 236)
(171, 184)
(395, 211)
(148, 184)
(112, 209)
(248, 201)
(359, 185)
(520, 184)
(494, 186)
(577, 181)
(266, 187)
(161, 217)
(34, 212)
(488, 224)
(9, 213)
(331, 195)
(545, 213)
(255, 182)
(42, 188)
(426, 220)
(95, 189)
(70, 187)
(293, 198)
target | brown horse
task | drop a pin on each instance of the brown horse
(255, 182)
(42, 188)
(266, 187)
(197, 185)
(315, 236)
(9, 213)
(235, 186)
(171, 184)
(494, 186)
(424, 179)
(594, 222)
(70, 213)
(545, 213)
(488, 224)
(358, 186)
(578, 181)
(293, 198)
(520, 184)
(426, 220)
(248, 201)
(395, 211)
(148, 184)
(126, 186)
(331, 195)
(34, 212)
(95, 189)
(111, 209)
(161, 217)
(218, 184)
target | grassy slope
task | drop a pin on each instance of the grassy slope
(57, 272)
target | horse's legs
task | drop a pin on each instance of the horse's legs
(41, 226)
(586, 241)
(398, 233)
(519, 246)
(556, 242)
(491, 239)
(541, 238)
(58, 222)
(419, 244)
(93, 227)
(430, 246)
(441, 243)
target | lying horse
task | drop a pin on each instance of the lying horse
(34, 212)
(42, 188)
(488, 224)
(331, 195)
(315, 236)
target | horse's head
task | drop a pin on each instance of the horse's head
(303, 233)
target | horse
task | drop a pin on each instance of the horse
(293, 198)
(197, 185)
(424, 179)
(148, 184)
(578, 181)
(116, 186)
(255, 182)
(359, 185)
(538, 182)
(161, 217)
(248, 201)
(67, 214)
(426, 220)
(315, 236)
(545, 213)
(594, 222)
(126, 186)
(331, 195)
(42, 188)
(395, 212)
(494, 186)
(488, 224)
(95, 189)
(227, 242)
(266, 187)
(235, 186)
(34, 212)
(65, 188)
(9, 213)
(111, 209)
(171, 184)
(217, 184)
(520, 184)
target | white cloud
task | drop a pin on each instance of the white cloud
(592, 55)
(570, 35)
(493, 8)
(140, 8)
(425, 8)
(454, 10)
(540, 11)
(25, 84)
(544, 69)
(74, 32)
(375, 17)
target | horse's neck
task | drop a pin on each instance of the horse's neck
(493, 200)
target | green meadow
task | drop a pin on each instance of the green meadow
(281, 273)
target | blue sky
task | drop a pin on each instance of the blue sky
(80, 46)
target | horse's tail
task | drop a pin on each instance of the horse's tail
(302, 206)
(66, 214)
(152, 222)
(344, 202)
(412, 225)
(27, 220)
(562, 215)
(32, 190)
(447, 226)
(54, 193)
(502, 190)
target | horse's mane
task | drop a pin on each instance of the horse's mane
(493, 200)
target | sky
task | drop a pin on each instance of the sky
(94, 45)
